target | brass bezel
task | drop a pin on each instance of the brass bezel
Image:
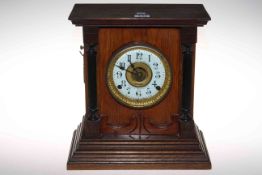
(138, 103)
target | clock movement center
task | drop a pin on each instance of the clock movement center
(139, 75)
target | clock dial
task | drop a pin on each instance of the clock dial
(138, 76)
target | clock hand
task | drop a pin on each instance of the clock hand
(132, 65)
(122, 68)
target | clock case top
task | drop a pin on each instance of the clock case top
(186, 152)
(117, 15)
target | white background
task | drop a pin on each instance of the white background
(42, 90)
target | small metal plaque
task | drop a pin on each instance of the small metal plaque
(142, 15)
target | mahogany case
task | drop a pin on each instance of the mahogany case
(164, 136)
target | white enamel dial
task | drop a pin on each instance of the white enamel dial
(139, 76)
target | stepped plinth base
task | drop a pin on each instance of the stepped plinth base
(187, 151)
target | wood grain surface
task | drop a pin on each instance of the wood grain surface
(159, 119)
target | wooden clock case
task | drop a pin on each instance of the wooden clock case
(164, 136)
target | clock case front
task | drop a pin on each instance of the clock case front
(115, 136)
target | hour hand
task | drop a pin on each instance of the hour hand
(122, 68)
(132, 65)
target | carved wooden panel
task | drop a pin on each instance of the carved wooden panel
(159, 119)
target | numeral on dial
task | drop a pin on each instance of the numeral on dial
(122, 65)
(123, 83)
(148, 91)
(138, 93)
(128, 58)
(157, 74)
(155, 65)
(139, 55)
(119, 74)
(154, 84)
(128, 90)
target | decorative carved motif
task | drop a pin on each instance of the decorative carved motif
(127, 127)
(170, 127)
(142, 125)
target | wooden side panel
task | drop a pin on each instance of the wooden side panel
(159, 119)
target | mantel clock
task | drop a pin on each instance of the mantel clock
(139, 82)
